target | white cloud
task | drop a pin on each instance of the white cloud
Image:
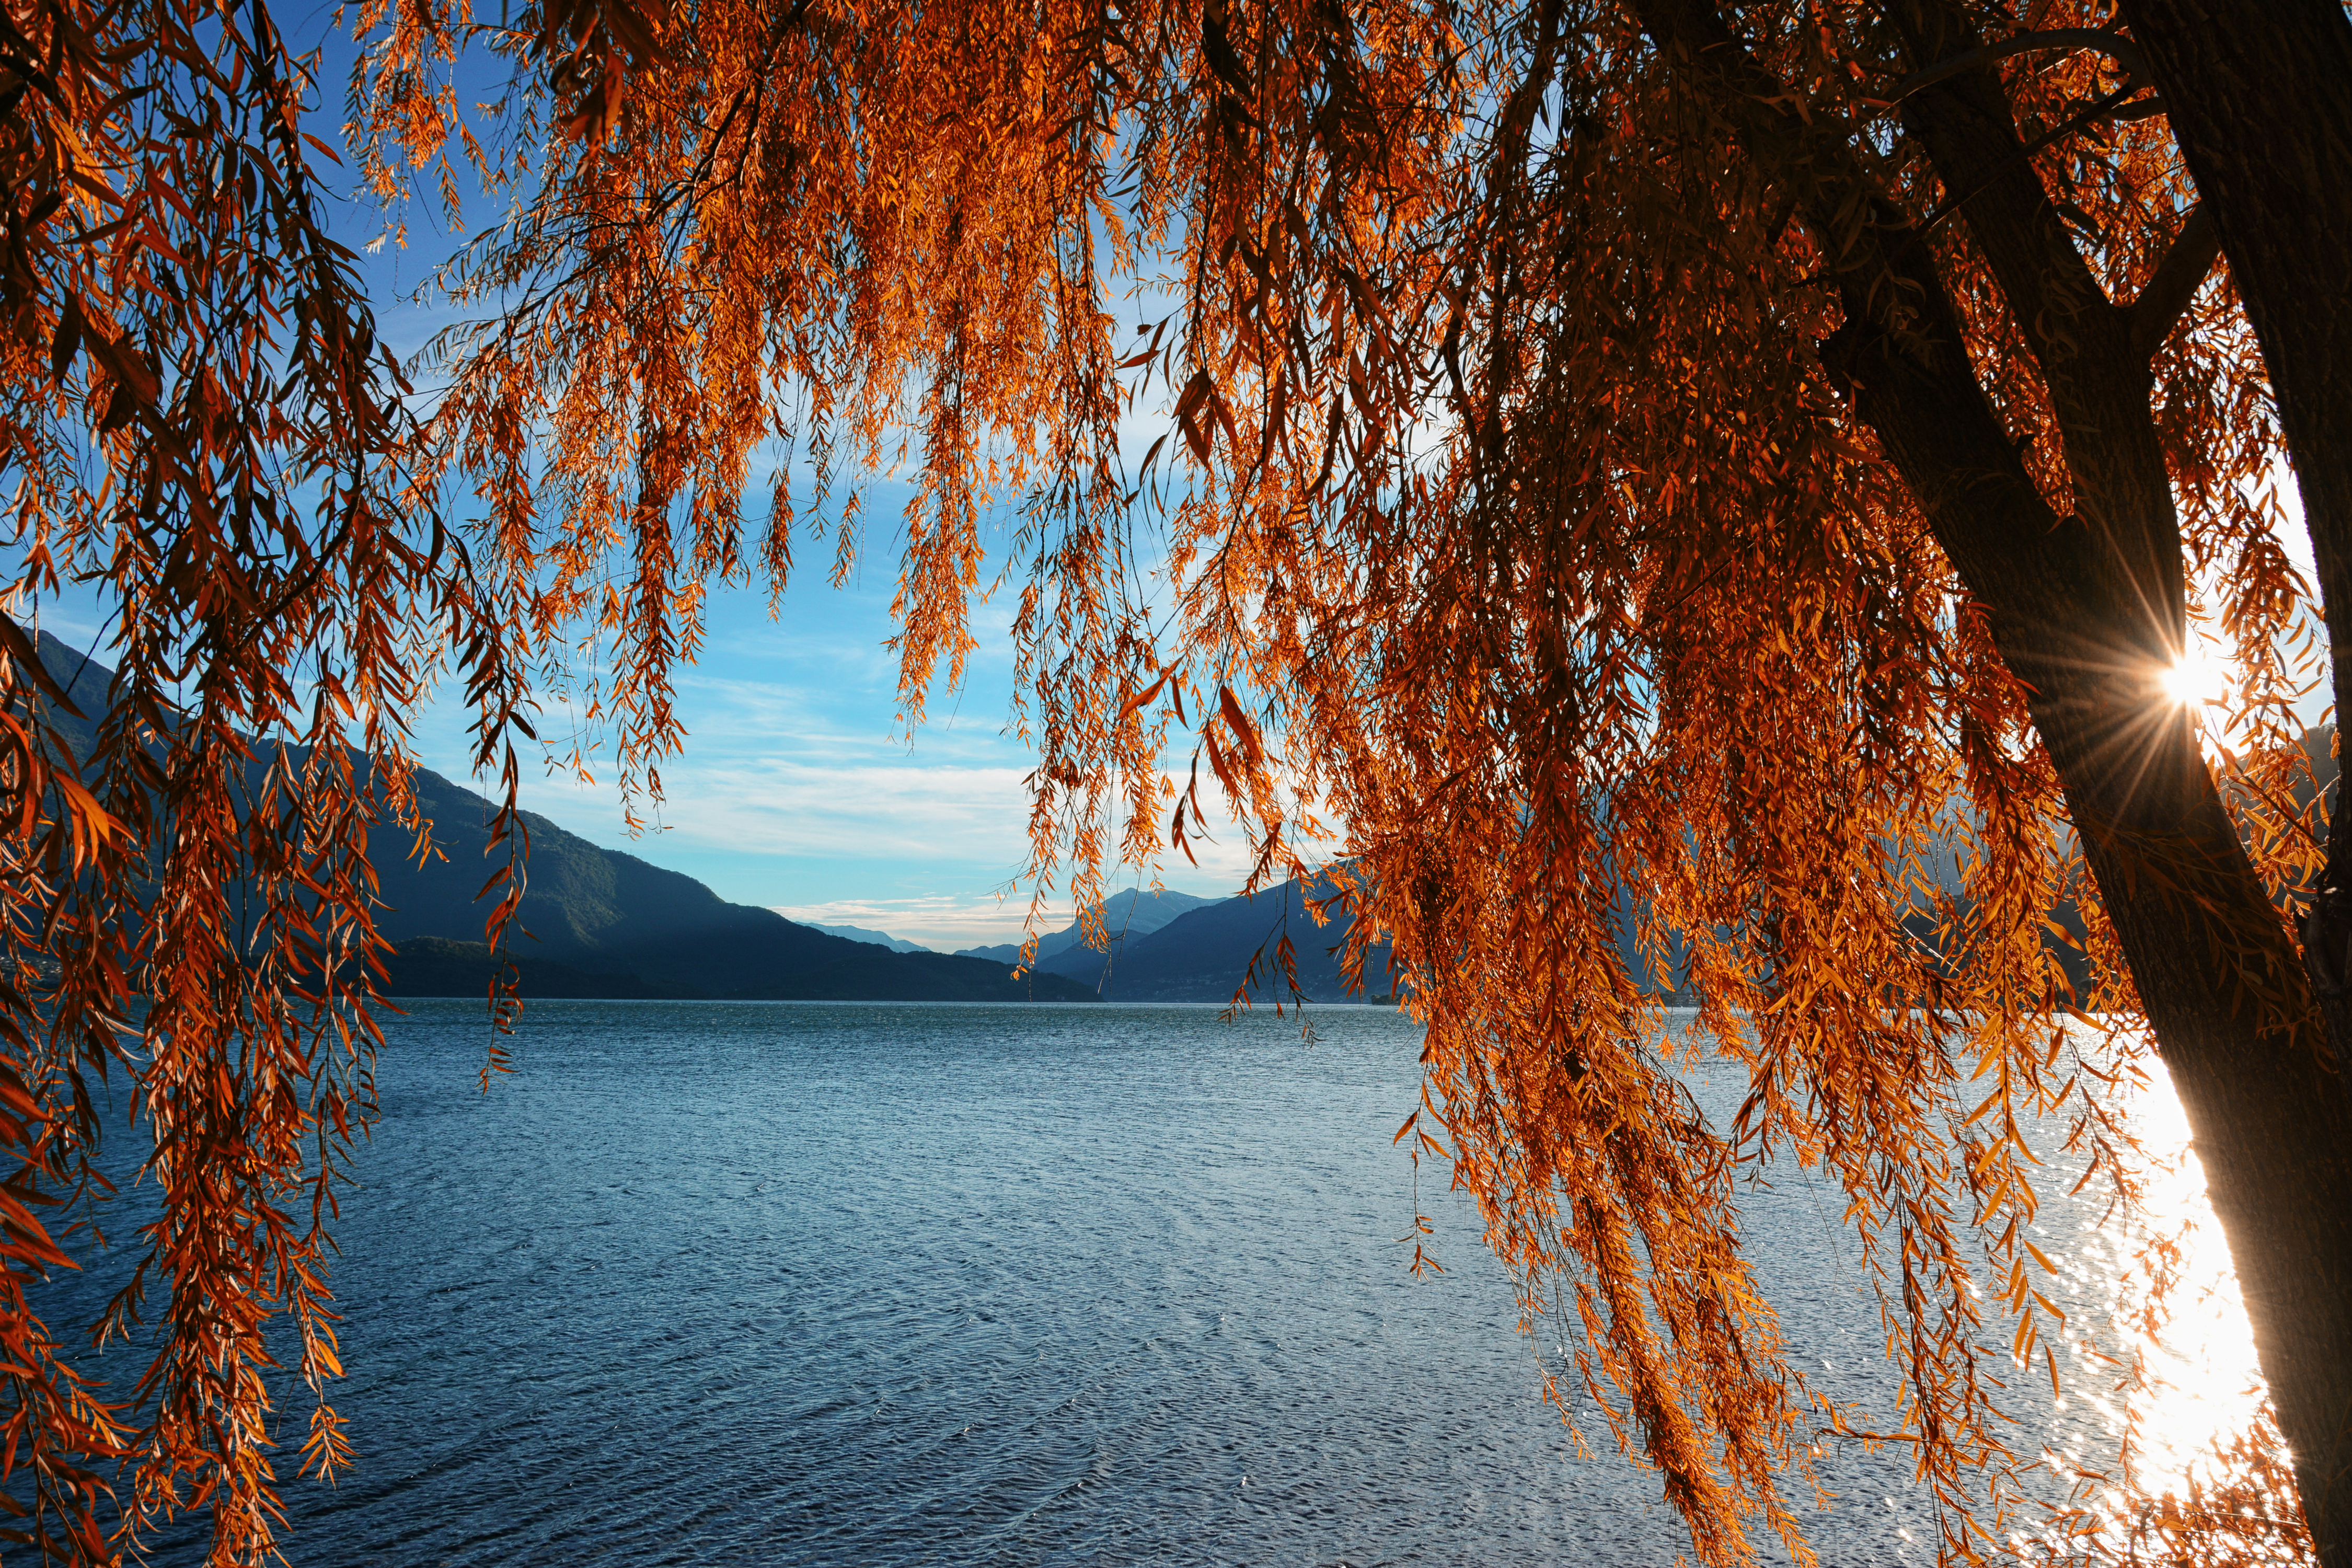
(799, 789)
(778, 806)
(945, 921)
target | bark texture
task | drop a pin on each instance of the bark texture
(2259, 98)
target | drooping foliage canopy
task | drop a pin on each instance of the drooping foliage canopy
(1763, 456)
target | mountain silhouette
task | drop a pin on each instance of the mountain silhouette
(598, 922)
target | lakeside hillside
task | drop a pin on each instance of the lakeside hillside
(1127, 916)
(1202, 954)
(604, 924)
(878, 938)
(650, 931)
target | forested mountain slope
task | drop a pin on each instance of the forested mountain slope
(1203, 953)
(655, 931)
(1127, 916)
(605, 924)
(596, 923)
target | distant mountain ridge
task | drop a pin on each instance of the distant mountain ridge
(604, 924)
(1134, 913)
(600, 922)
(650, 930)
(1204, 952)
(859, 933)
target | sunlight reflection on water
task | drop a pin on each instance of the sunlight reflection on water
(2203, 1383)
(2206, 1380)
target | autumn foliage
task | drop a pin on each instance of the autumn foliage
(1763, 460)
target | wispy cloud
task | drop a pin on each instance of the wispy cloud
(942, 920)
(959, 815)
(799, 789)
(951, 922)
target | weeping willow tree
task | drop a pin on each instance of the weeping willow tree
(1761, 456)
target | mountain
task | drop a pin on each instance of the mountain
(595, 922)
(1138, 912)
(652, 931)
(602, 923)
(878, 938)
(84, 681)
(1201, 954)
(1176, 947)
(436, 966)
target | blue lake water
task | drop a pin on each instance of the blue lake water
(869, 1284)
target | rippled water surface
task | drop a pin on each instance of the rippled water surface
(809, 1284)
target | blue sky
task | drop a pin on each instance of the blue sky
(798, 790)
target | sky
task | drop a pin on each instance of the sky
(798, 789)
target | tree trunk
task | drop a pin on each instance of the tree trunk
(2086, 612)
(2259, 99)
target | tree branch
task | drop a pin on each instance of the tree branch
(2184, 266)
(2080, 339)
(2115, 45)
(2104, 109)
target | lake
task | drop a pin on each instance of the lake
(878, 1284)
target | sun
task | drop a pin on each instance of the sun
(2191, 681)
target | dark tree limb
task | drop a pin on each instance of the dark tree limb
(2260, 101)
(2160, 304)
(2080, 342)
(2112, 44)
